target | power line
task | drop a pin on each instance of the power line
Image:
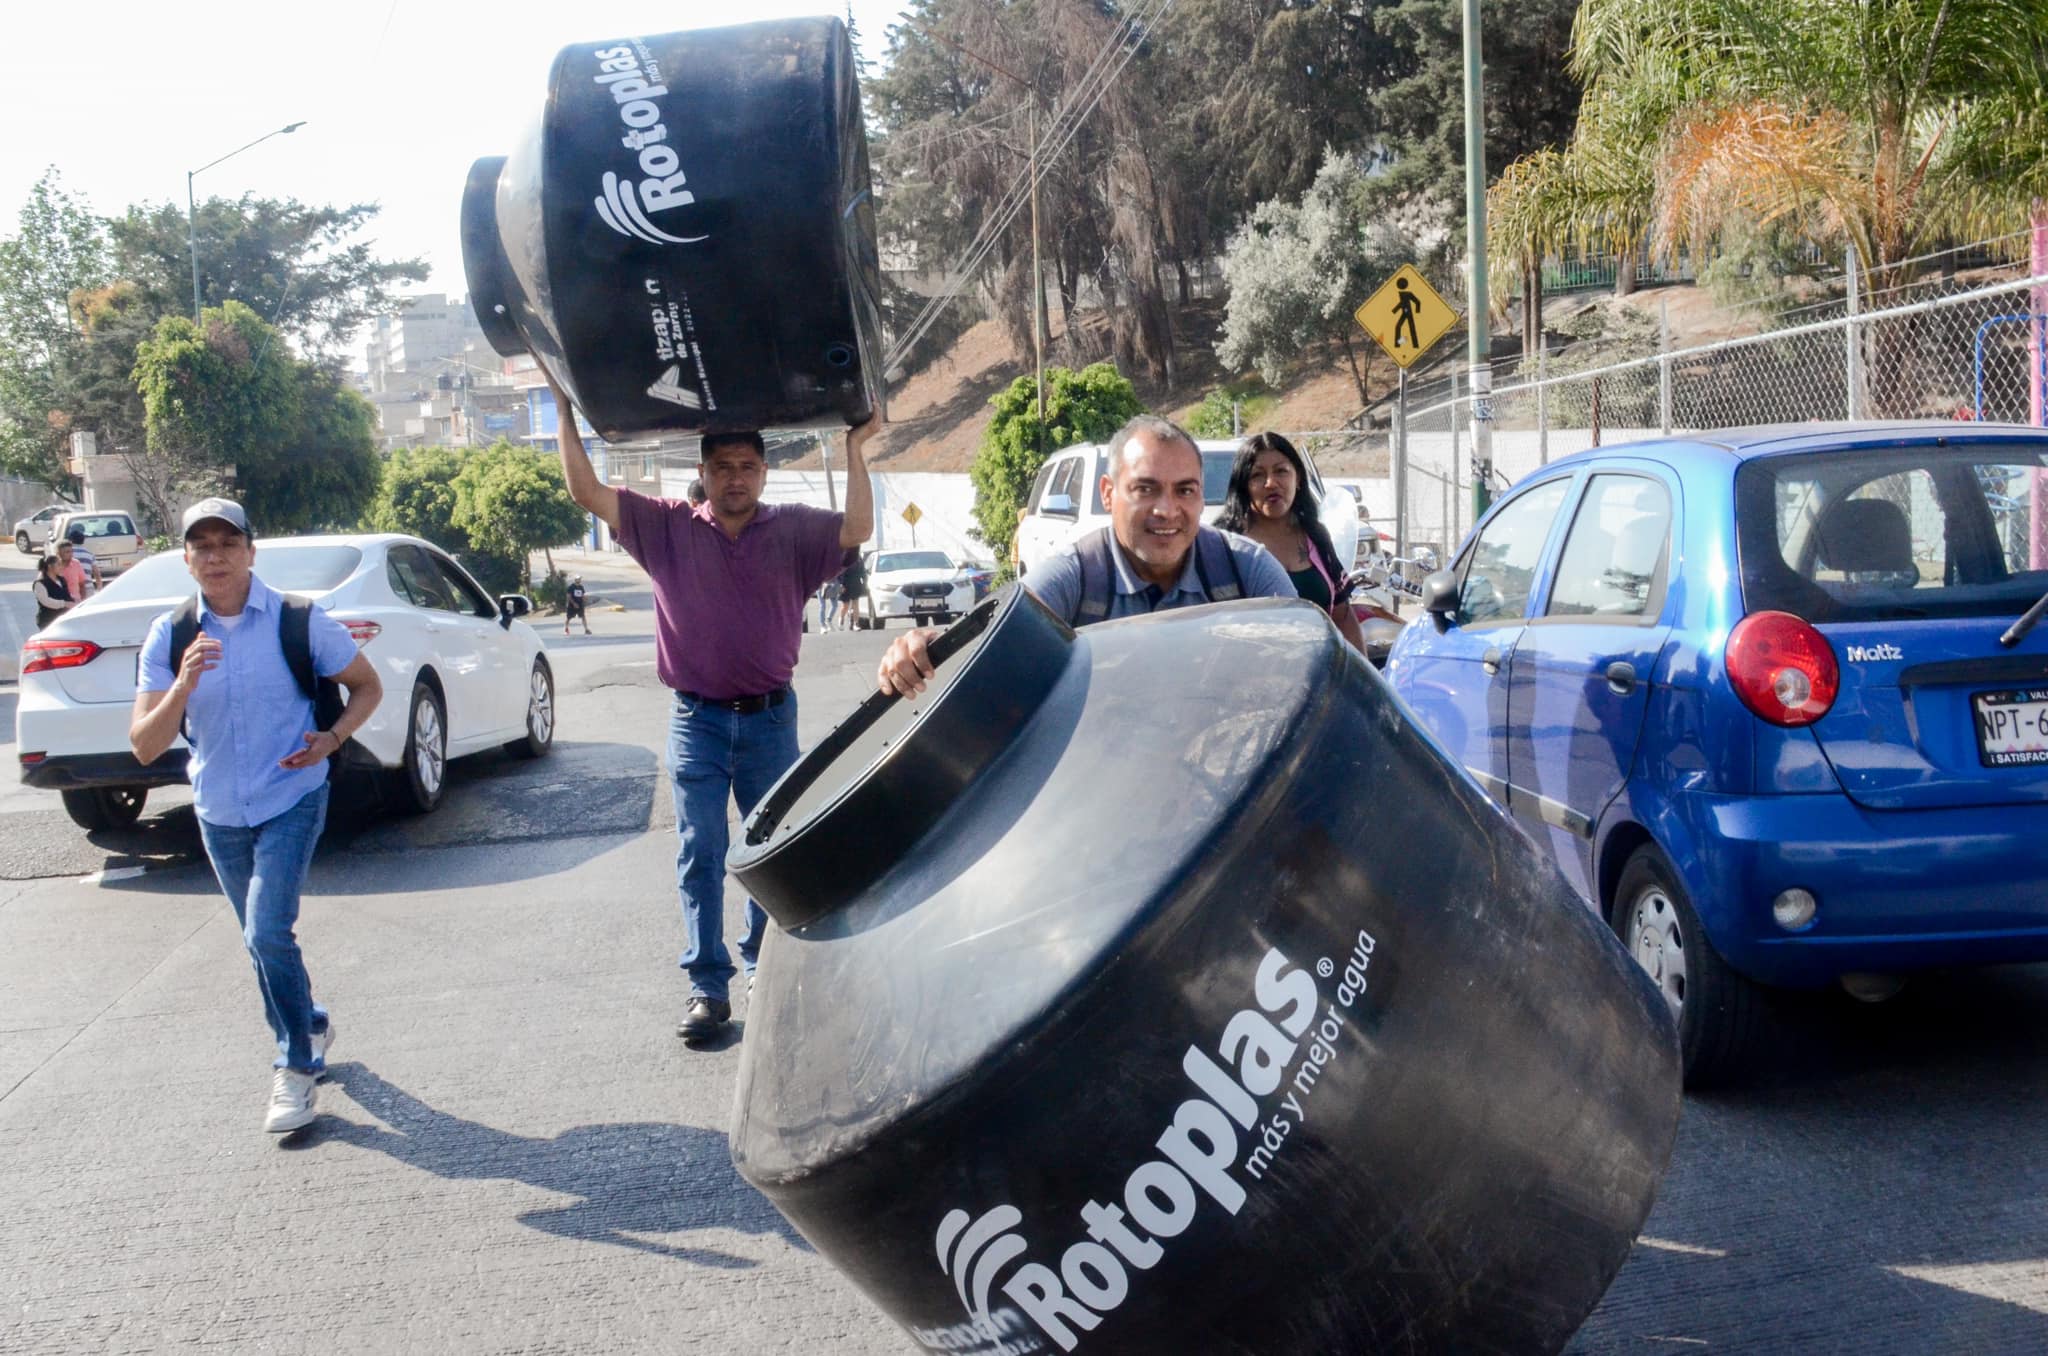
(1126, 38)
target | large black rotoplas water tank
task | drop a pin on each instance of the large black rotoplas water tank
(686, 238)
(1161, 989)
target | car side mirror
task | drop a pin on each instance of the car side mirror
(1440, 597)
(512, 605)
(1059, 506)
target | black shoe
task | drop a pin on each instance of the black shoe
(703, 1018)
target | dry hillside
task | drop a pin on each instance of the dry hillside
(936, 417)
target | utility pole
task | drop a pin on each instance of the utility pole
(1037, 281)
(1475, 247)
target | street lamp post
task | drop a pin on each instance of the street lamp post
(192, 210)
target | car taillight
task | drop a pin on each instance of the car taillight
(140, 544)
(40, 655)
(363, 631)
(1782, 668)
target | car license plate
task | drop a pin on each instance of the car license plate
(928, 605)
(2012, 726)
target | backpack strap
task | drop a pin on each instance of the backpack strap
(1098, 579)
(1216, 566)
(295, 634)
(184, 630)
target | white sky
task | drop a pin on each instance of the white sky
(398, 97)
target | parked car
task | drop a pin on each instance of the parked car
(32, 534)
(1756, 692)
(1065, 502)
(920, 586)
(112, 537)
(461, 673)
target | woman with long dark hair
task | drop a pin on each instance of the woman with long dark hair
(53, 595)
(1268, 500)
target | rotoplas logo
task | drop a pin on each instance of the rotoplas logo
(1197, 1152)
(628, 204)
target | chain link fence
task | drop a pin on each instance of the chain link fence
(1943, 352)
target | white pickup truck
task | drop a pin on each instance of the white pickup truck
(1065, 503)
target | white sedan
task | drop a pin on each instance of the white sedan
(461, 672)
(919, 586)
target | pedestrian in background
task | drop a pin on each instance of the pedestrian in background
(76, 581)
(53, 595)
(1268, 500)
(575, 608)
(853, 587)
(828, 599)
(243, 689)
(88, 563)
(732, 577)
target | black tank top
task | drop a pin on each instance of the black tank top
(1310, 584)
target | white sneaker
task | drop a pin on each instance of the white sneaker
(291, 1101)
(323, 1041)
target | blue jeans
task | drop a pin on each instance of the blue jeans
(261, 870)
(715, 756)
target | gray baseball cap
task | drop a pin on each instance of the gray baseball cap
(227, 510)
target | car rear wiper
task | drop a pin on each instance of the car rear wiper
(2017, 632)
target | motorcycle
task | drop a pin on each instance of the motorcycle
(1375, 590)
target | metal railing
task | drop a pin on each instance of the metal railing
(1963, 355)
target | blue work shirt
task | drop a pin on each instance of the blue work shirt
(1057, 583)
(248, 713)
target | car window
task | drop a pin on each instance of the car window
(102, 524)
(1037, 495)
(1501, 565)
(1870, 534)
(1063, 478)
(285, 567)
(913, 560)
(1617, 551)
(414, 578)
(464, 594)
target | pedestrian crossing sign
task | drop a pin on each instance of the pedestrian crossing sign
(1406, 316)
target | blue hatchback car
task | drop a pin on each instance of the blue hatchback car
(1770, 697)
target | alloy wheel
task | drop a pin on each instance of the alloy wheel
(430, 751)
(540, 707)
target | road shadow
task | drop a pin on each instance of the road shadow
(1880, 1186)
(630, 1178)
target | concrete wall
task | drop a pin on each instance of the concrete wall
(945, 502)
(19, 498)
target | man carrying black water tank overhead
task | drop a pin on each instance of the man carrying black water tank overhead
(1155, 554)
(732, 577)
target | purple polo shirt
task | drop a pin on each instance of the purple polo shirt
(728, 615)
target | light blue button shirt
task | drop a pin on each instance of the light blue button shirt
(248, 713)
(1057, 582)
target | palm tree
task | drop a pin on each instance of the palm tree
(1883, 123)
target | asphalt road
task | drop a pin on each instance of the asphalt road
(517, 1155)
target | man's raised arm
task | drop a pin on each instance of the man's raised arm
(584, 486)
(860, 491)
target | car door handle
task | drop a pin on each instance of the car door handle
(1621, 677)
(1490, 661)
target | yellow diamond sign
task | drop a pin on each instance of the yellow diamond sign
(912, 514)
(1406, 316)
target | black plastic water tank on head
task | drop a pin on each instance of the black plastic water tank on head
(1161, 989)
(686, 238)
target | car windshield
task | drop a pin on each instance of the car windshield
(103, 525)
(285, 566)
(912, 560)
(1867, 535)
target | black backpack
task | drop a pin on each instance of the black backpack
(1215, 566)
(294, 633)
